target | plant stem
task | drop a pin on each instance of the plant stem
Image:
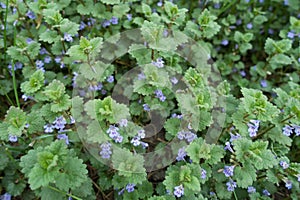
(62, 192)
(13, 73)
(271, 127)
(9, 100)
(4, 31)
(235, 195)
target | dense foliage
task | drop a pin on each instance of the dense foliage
(156, 100)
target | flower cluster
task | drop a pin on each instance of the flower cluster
(181, 154)
(113, 132)
(114, 20)
(284, 164)
(288, 130)
(251, 189)
(178, 191)
(159, 94)
(136, 140)
(228, 171)
(203, 173)
(188, 135)
(159, 63)
(105, 150)
(231, 185)
(253, 126)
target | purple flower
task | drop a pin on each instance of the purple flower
(43, 51)
(178, 191)
(159, 4)
(63, 137)
(121, 192)
(270, 31)
(190, 136)
(129, 17)
(135, 141)
(243, 73)
(181, 135)
(25, 97)
(266, 192)
(181, 154)
(30, 15)
(103, 91)
(110, 79)
(238, 22)
(39, 64)
(228, 171)
(253, 126)
(2, 5)
(249, 26)
(174, 80)
(72, 120)
(298, 177)
(203, 173)
(159, 94)
(105, 150)
(146, 107)
(231, 185)
(141, 133)
(286, 2)
(296, 129)
(47, 59)
(141, 76)
(217, 5)
(91, 21)
(123, 122)
(228, 147)
(234, 137)
(60, 123)
(48, 128)
(57, 59)
(287, 130)
(291, 35)
(159, 63)
(118, 138)
(130, 187)
(114, 20)
(224, 42)
(284, 164)
(288, 184)
(112, 131)
(251, 189)
(97, 87)
(12, 138)
(68, 37)
(144, 145)
(263, 83)
(106, 23)
(82, 25)
(5, 196)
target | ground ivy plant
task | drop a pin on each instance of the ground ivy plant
(152, 100)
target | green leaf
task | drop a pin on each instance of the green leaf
(53, 164)
(146, 9)
(16, 121)
(129, 165)
(245, 176)
(49, 36)
(62, 104)
(111, 2)
(282, 46)
(208, 25)
(260, 19)
(55, 90)
(35, 83)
